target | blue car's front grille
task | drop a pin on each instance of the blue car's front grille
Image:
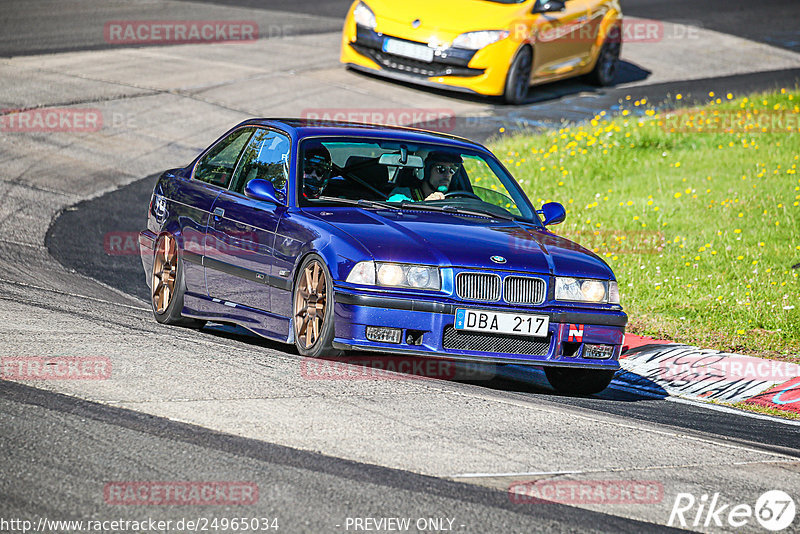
(484, 342)
(524, 290)
(486, 287)
(478, 286)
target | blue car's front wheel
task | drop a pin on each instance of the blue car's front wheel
(313, 309)
(574, 381)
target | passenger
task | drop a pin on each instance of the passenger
(316, 171)
(440, 167)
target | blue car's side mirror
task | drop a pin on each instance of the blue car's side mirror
(552, 213)
(258, 189)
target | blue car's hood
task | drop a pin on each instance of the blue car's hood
(435, 238)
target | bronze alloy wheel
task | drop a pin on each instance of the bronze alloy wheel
(310, 301)
(165, 269)
(313, 310)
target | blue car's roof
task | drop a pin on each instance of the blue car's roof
(312, 127)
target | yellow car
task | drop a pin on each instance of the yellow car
(489, 47)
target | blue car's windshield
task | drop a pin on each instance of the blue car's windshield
(399, 173)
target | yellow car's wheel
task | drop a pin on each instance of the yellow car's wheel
(607, 61)
(518, 80)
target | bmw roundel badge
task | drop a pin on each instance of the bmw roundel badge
(498, 259)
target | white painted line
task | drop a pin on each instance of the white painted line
(21, 244)
(620, 385)
(520, 474)
(726, 409)
(702, 404)
(613, 420)
(612, 469)
(76, 295)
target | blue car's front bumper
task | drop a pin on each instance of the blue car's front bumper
(429, 325)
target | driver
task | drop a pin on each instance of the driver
(316, 171)
(440, 167)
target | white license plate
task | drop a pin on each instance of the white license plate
(414, 51)
(520, 324)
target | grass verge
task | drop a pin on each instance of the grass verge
(696, 210)
(764, 410)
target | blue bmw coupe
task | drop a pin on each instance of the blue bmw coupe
(352, 237)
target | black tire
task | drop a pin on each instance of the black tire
(573, 381)
(605, 69)
(518, 80)
(312, 308)
(168, 273)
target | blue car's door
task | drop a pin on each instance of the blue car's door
(192, 205)
(239, 252)
(195, 195)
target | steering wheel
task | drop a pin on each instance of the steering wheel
(461, 194)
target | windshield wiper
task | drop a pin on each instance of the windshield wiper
(448, 208)
(361, 202)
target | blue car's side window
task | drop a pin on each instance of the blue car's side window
(265, 157)
(217, 166)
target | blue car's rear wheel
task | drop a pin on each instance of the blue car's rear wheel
(167, 285)
(573, 381)
(313, 309)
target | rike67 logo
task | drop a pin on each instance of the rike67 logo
(774, 510)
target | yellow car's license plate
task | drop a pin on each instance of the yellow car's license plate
(520, 324)
(405, 49)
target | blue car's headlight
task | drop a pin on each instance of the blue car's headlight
(373, 273)
(364, 16)
(586, 290)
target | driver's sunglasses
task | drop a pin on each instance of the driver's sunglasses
(441, 169)
(319, 169)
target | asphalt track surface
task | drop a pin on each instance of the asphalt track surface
(49, 26)
(78, 240)
(308, 491)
